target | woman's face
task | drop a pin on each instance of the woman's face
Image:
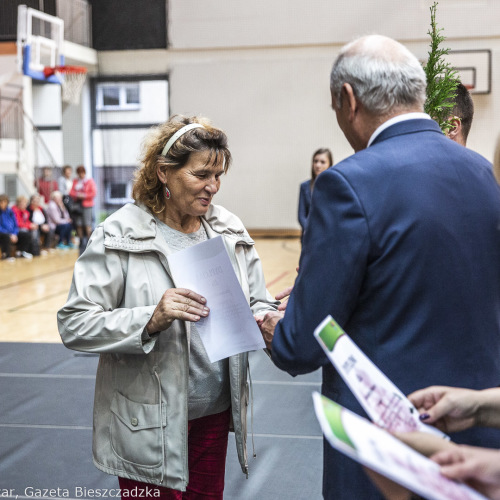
(22, 204)
(35, 202)
(320, 163)
(193, 186)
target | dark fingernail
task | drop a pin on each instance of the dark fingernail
(424, 416)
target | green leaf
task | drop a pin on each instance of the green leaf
(442, 79)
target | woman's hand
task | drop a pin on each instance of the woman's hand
(425, 443)
(450, 409)
(177, 303)
(478, 467)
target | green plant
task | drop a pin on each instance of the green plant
(442, 80)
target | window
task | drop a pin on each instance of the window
(11, 186)
(118, 96)
(118, 193)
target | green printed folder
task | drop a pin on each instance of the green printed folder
(329, 332)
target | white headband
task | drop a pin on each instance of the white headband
(180, 132)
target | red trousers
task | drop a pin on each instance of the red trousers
(207, 448)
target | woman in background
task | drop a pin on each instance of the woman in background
(83, 191)
(496, 161)
(322, 159)
(41, 232)
(65, 181)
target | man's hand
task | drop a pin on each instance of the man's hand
(284, 294)
(267, 326)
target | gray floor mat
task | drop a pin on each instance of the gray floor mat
(46, 426)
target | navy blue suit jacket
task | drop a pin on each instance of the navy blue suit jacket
(402, 248)
(304, 203)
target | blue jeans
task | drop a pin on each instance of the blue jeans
(64, 232)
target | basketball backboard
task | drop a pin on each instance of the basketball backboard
(473, 68)
(40, 39)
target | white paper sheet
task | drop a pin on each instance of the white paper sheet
(230, 327)
(384, 403)
(375, 448)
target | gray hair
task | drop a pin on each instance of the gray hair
(384, 75)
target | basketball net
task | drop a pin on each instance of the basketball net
(72, 81)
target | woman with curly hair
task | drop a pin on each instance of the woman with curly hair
(162, 411)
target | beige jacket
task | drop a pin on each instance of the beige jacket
(117, 283)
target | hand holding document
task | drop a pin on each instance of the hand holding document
(378, 450)
(384, 403)
(230, 327)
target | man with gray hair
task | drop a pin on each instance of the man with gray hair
(402, 250)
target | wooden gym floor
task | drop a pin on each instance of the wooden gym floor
(32, 291)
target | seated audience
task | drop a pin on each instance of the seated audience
(59, 220)
(42, 235)
(8, 228)
(26, 227)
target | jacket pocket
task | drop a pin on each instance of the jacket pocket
(136, 431)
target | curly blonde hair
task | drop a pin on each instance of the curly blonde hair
(148, 188)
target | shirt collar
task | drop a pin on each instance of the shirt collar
(397, 119)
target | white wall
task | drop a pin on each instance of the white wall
(47, 108)
(117, 147)
(261, 23)
(73, 134)
(47, 112)
(153, 95)
(260, 70)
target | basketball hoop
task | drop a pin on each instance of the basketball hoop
(72, 81)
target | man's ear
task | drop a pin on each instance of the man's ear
(456, 128)
(350, 100)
